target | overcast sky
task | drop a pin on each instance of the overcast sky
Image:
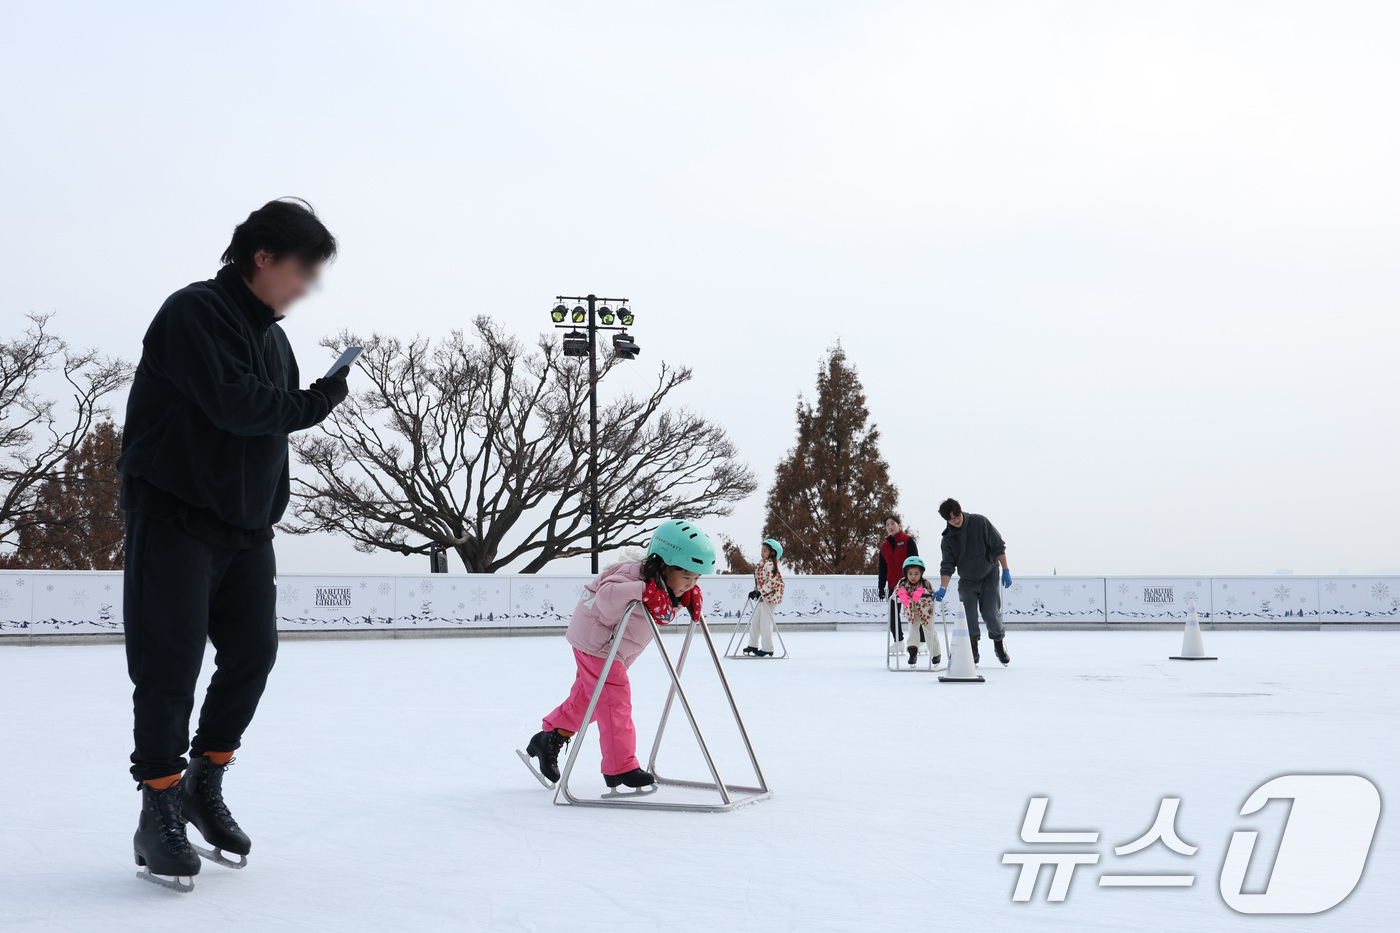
(1120, 276)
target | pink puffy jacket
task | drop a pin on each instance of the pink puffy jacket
(599, 612)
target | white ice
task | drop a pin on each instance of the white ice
(381, 789)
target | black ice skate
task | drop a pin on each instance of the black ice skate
(160, 844)
(913, 655)
(202, 803)
(750, 649)
(937, 660)
(976, 657)
(545, 747)
(642, 782)
(1002, 656)
(764, 654)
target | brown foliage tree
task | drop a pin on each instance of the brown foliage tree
(36, 442)
(734, 556)
(833, 489)
(83, 526)
(479, 445)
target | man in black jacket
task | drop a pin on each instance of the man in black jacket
(973, 547)
(205, 477)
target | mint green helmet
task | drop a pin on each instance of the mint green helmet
(773, 543)
(682, 544)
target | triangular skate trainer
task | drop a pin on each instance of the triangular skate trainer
(730, 795)
(961, 668)
(735, 650)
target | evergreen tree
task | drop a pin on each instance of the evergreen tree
(833, 490)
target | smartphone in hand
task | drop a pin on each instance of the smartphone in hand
(346, 359)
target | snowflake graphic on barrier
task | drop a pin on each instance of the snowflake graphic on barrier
(1017, 588)
(1281, 593)
(1199, 584)
(1093, 601)
(106, 586)
(1330, 586)
(1230, 600)
(386, 588)
(527, 592)
(479, 595)
(1067, 590)
(6, 597)
(847, 591)
(19, 582)
(364, 585)
(735, 591)
(287, 594)
(49, 587)
(1191, 594)
(79, 597)
(1380, 592)
(799, 595)
(461, 605)
(426, 586)
(1122, 589)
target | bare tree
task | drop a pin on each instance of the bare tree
(480, 445)
(37, 442)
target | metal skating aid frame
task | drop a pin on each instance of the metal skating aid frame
(894, 656)
(731, 795)
(735, 649)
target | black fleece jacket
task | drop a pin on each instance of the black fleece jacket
(214, 398)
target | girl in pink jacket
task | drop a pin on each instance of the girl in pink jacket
(665, 582)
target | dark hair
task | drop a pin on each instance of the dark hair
(654, 571)
(893, 518)
(285, 227)
(949, 508)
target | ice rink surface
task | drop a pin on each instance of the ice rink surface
(380, 786)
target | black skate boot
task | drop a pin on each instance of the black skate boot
(750, 650)
(976, 657)
(160, 844)
(937, 660)
(634, 778)
(763, 654)
(545, 747)
(913, 655)
(202, 803)
(1000, 648)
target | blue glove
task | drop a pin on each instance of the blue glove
(939, 593)
(1006, 578)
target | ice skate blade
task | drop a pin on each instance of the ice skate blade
(530, 763)
(168, 881)
(623, 792)
(1177, 658)
(216, 855)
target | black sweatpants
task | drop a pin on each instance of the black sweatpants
(983, 594)
(178, 591)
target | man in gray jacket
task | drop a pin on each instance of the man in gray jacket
(973, 548)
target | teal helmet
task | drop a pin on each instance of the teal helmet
(914, 562)
(682, 544)
(773, 543)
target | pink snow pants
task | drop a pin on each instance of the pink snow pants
(613, 714)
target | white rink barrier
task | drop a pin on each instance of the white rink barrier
(55, 602)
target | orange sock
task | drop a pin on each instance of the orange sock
(162, 783)
(219, 758)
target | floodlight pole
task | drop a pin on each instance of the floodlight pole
(593, 428)
(593, 328)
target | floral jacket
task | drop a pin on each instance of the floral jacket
(917, 600)
(768, 584)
